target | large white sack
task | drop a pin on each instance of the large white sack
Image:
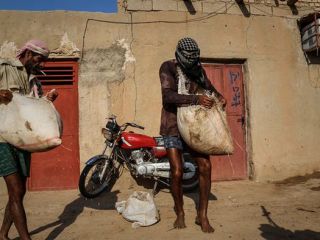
(29, 123)
(139, 209)
(204, 130)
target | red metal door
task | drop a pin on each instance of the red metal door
(228, 80)
(59, 168)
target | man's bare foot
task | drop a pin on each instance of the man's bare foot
(179, 223)
(204, 224)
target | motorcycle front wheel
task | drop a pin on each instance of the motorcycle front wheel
(91, 184)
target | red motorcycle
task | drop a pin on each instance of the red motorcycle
(144, 156)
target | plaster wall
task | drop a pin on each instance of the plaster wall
(282, 90)
(281, 94)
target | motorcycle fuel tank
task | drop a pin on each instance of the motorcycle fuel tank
(135, 140)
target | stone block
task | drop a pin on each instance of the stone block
(187, 6)
(234, 9)
(165, 5)
(260, 9)
(282, 3)
(305, 11)
(282, 12)
(139, 5)
(216, 7)
(212, 1)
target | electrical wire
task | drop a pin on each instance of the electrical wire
(227, 6)
(197, 19)
(209, 15)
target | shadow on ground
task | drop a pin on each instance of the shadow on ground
(161, 187)
(272, 231)
(298, 179)
(74, 209)
(194, 195)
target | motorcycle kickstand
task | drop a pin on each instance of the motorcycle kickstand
(155, 188)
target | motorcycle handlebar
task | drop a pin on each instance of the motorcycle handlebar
(134, 125)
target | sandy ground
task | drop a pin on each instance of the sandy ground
(241, 210)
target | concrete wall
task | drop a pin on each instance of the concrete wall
(257, 7)
(121, 55)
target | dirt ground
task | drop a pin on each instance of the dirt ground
(240, 210)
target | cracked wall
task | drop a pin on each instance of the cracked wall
(100, 69)
(103, 65)
(282, 93)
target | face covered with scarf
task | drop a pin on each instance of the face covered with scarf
(188, 57)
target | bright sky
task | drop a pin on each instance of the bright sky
(73, 5)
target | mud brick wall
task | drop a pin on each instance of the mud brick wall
(255, 7)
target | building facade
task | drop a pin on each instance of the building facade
(119, 56)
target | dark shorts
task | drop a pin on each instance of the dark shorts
(172, 142)
(177, 142)
(14, 160)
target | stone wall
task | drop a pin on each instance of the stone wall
(121, 54)
(252, 7)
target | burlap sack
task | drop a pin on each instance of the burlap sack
(204, 130)
(30, 123)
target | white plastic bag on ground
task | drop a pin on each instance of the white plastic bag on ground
(139, 209)
(204, 130)
(29, 123)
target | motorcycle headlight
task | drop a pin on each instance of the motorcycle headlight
(107, 134)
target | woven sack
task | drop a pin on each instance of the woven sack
(204, 130)
(139, 209)
(31, 124)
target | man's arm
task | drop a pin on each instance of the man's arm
(5, 94)
(52, 95)
(169, 89)
(170, 96)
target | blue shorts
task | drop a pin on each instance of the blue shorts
(177, 142)
(172, 142)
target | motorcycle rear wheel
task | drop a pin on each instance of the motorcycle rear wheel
(90, 184)
(188, 183)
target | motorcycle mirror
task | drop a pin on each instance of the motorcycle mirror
(112, 116)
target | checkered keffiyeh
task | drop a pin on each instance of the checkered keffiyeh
(187, 44)
(188, 50)
(188, 56)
